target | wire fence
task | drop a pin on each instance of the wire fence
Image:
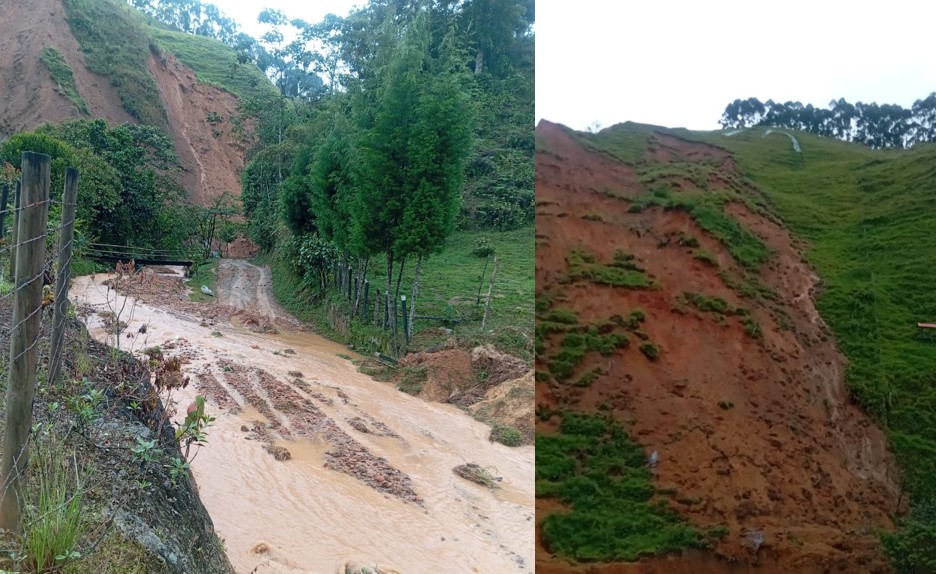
(39, 256)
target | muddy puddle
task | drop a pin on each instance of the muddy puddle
(368, 475)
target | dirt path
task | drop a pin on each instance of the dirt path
(311, 463)
(244, 287)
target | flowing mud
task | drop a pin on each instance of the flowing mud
(312, 466)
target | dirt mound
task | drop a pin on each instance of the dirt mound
(494, 367)
(509, 404)
(730, 374)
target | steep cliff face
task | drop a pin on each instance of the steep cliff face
(198, 114)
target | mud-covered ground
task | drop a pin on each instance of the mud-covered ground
(310, 463)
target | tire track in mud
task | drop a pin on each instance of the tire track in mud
(291, 415)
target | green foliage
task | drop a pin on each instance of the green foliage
(912, 549)
(622, 272)
(706, 257)
(483, 247)
(62, 75)
(650, 350)
(214, 63)
(575, 345)
(506, 435)
(116, 45)
(53, 519)
(563, 316)
(707, 304)
(594, 468)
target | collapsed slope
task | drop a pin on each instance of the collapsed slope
(197, 115)
(730, 375)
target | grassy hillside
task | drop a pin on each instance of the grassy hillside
(868, 218)
(448, 289)
(214, 63)
(116, 45)
(118, 41)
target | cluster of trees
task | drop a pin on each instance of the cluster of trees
(424, 123)
(876, 126)
(376, 169)
(127, 192)
(328, 59)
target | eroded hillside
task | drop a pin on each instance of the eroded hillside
(198, 114)
(673, 300)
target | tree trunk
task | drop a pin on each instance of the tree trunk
(389, 286)
(360, 293)
(479, 62)
(412, 309)
(490, 292)
(399, 279)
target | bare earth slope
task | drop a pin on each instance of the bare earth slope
(29, 97)
(211, 157)
(752, 433)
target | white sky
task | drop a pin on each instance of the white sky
(313, 11)
(679, 63)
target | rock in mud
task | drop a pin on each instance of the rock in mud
(278, 452)
(358, 425)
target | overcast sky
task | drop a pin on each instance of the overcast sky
(679, 63)
(245, 12)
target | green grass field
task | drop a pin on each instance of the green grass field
(448, 290)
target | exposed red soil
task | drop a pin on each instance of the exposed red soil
(786, 453)
(211, 164)
(30, 98)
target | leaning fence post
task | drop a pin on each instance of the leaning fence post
(487, 304)
(405, 319)
(364, 307)
(64, 272)
(13, 238)
(21, 386)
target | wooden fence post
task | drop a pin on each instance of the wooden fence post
(21, 387)
(364, 307)
(406, 332)
(386, 315)
(60, 303)
(4, 200)
(487, 305)
(13, 239)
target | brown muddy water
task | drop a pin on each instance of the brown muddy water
(296, 516)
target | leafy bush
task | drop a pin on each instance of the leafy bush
(506, 435)
(650, 350)
(594, 467)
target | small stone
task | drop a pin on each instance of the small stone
(244, 428)
(289, 352)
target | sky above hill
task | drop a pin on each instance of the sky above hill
(679, 63)
(245, 13)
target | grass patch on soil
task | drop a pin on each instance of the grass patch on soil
(622, 271)
(62, 75)
(708, 211)
(477, 474)
(203, 275)
(116, 45)
(593, 467)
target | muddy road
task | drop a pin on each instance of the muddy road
(310, 464)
